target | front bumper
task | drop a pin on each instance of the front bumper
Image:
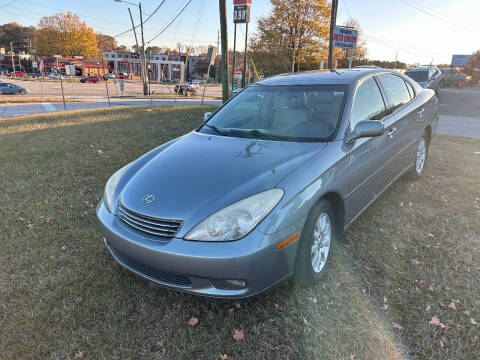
(199, 267)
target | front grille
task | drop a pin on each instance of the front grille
(147, 271)
(155, 226)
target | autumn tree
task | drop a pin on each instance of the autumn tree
(67, 35)
(21, 35)
(360, 52)
(473, 68)
(105, 42)
(295, 29)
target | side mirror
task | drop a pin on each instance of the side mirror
(366, 128)
(207, 115)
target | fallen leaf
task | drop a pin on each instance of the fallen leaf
(397, 326)
(436, 321)
(225, 357)
(64, 248)
(428, 307)
(415, 262)
(443, 341)
(193, 321)
(430, 235)
(385, 307)
(401, 204)
(352, 357)
(48, 220)
(475, 339)
(305, 321)
(237, 305)
(430, 287)
(314, 299)
(238, 335)
(452, 306)
(158, 344)
(79, 355)
(472, 320)
(30, 225)
(100, 152)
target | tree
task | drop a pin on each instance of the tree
(473, 68)
(21, 35)
(105, 42)
(67, 35)
(297, 29)
(360, 52)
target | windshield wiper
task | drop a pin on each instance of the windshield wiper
(217, 130)
(260, 134)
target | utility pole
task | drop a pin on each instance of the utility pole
(244, 77)
(13, 62)
(216, 59)
(144, 62)
(136, 40)
(333, 20)
(223, 29)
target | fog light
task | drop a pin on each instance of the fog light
(229, 284)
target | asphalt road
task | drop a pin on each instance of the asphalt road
(92, 91)
(459, 112)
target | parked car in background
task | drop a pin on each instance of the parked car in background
(91, 79)
(55, 76)
(7, 88)
(235, 91)
(122, 76)
(109, 76)
(428, 77)
(453, 77)
(263, 188)
(34, 75)
(18, 74)
(185, 89)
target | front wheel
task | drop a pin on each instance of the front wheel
(315, 245)
(23, 92)
(420, 158)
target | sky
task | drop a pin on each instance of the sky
(420, 31)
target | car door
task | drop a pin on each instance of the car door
(404, 113)
(366, 157)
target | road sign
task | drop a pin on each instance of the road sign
(241, 11)
(69, 70)
(460, 60)
(34, 64)
(345, 38)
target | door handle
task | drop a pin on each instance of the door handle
(391, 132)
(420, 113)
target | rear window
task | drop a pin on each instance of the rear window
(418, 76)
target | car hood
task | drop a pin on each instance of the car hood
(200, 174)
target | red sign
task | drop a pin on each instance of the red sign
(242, 2)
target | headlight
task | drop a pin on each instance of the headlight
(236, 220)
(111, 186)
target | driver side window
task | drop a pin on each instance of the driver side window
(368, 103)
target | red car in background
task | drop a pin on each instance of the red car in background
(91, 79)
(17, 74)
(122, 76)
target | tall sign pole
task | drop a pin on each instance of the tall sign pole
(223, 30)
(234, 57)
(333, 20)
(241, 15)
(144, 60)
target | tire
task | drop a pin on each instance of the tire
(23, 92)
(420, 160)
(307, 273)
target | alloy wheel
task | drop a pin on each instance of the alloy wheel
(421, 155)
(322, 235)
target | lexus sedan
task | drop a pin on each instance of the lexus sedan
(260, 191)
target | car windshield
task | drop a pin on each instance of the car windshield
(419, 76)
(444, 71)
(288, 113)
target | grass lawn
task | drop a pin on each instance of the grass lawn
(407, 259)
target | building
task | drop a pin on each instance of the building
(83, 67)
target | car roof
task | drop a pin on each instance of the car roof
(320, 77)
(420, 68)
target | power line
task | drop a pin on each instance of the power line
(430, 13)
(170, 23)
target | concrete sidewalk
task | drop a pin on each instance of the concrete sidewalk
(459, 126)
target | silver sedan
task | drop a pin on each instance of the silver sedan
(260, 191)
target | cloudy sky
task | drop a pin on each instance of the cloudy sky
(420, 30)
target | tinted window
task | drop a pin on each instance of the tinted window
(418, 76)
(291, 113)
(368, 103)
(443, 71)
(410, 89)
(395, 89)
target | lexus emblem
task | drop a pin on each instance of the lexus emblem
(148, 199)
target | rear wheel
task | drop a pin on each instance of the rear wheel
(23, 92)
(420, 158)
(315, 244)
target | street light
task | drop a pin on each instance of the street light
(144, 63)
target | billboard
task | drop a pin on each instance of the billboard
(345, 38)
(460, 60)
